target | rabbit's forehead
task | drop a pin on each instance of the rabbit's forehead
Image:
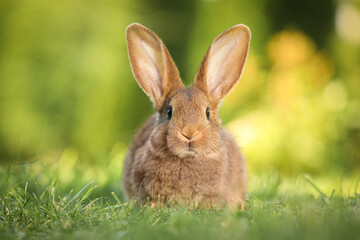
(189, 98)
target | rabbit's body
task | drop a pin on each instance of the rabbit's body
(182, 154)
(153, 171)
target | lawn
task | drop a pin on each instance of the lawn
(278, 208)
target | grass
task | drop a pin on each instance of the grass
(278, 208)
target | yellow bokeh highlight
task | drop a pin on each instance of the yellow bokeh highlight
(289, 49)
(335, 96)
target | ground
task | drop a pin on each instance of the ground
(277, 208)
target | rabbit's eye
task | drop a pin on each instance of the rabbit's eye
(169, 112)
(207, 113)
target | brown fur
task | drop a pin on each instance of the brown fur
(188, 159)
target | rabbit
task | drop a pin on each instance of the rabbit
(182, 154)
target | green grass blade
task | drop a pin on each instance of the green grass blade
(78, 194)
(116, 198)
(322, 195)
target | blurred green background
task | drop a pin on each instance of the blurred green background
(68, 99)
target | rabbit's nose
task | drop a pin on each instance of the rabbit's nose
(189, 133)
(188, 137)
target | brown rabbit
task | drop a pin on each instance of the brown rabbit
(182, 154)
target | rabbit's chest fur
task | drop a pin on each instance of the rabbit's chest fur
(183, 180)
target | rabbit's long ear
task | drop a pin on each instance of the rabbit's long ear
(151, 63)
(224, 62)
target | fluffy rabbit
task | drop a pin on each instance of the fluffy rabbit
(182, 154)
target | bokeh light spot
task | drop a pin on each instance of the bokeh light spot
(335, 96)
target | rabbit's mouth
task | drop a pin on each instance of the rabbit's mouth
(191, 151)
(188, 152)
